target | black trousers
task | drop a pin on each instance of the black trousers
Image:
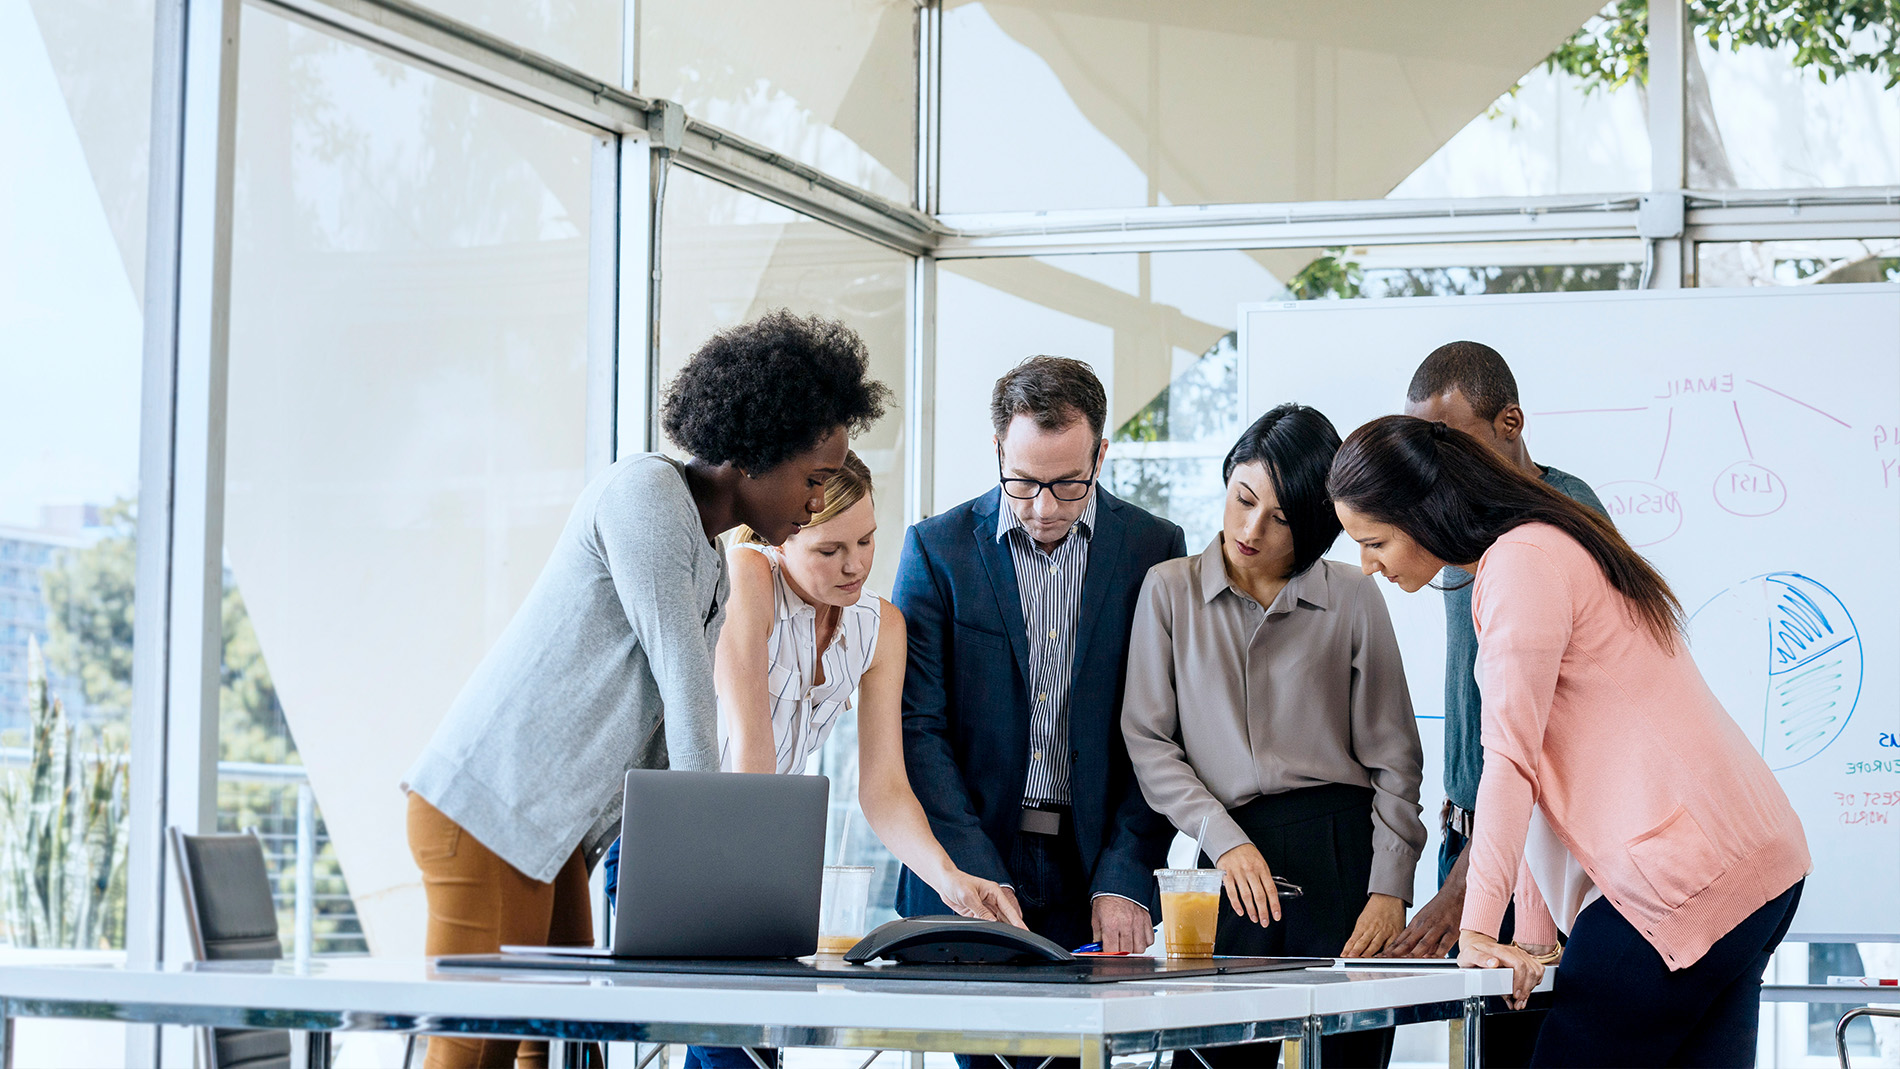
(1617, 1003)
(1052, 887)
(1321, 839)
(1511, 1036)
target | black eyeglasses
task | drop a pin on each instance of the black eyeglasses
(1061, 489)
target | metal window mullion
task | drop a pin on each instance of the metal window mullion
(418, 34)
(630, 46)
(1287, 226)
(660, 160)
(929, 172)
(641, 196)
(714, 154)
(634, 218)
(178, 624)
(921, 392)
(921, 382)
(1617, 216)
(603, 298)
(1668, 130)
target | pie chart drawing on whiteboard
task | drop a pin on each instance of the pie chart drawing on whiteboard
(1783, 655)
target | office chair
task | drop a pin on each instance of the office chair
(229, 910)
(1840, 1029)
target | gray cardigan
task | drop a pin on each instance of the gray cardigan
(607, 666)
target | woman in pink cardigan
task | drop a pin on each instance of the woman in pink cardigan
(1619, 801)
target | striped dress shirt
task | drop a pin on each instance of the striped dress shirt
(1050, 586)
(803, 712)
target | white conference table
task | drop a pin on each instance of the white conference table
(1092, 1022)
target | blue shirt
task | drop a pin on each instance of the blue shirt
(1464, 748)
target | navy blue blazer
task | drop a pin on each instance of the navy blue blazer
(966, 696)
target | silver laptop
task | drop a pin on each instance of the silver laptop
(717, 865)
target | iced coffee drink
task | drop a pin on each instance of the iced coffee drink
(1190, 910)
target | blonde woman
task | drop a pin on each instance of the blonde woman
(802, 635)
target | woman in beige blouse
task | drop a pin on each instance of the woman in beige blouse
(1266, 695)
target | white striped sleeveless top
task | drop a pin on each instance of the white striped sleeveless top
(803, 715)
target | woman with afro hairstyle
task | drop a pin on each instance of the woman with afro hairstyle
(608, 664)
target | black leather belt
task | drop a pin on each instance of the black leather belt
(1043, 820)
(1456, 818)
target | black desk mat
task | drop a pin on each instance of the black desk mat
(1083, 970)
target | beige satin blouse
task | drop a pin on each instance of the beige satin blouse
(1227, 701)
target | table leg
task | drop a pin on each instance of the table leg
(1467, 1037)
(317, 1050)
(916, 1059)
(6, 1041)
(1094, 1054)
(1309, 1042)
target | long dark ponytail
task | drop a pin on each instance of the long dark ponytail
(1455, 496)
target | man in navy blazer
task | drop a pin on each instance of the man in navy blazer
(1018, 606)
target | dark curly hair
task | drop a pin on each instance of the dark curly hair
(759, 394)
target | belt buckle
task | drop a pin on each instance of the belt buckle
(1041, 821)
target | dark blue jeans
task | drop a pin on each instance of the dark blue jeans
(1617, 1002)
(1052, 887)
(727, 1057)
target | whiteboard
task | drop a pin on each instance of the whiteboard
(1746, 441)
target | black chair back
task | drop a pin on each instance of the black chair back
(232, 917)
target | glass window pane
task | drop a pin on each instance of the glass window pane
(1760, 119)
(728, 257)
(1796, 263)
(830, 83)
(1058, 105)
(584, 34)
(76, 78)
(1160, 331)
(1468, 270)
(1551, 134)
(407, 399)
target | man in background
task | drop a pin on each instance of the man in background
(1467, 386)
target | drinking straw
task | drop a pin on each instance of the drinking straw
(1200, 838)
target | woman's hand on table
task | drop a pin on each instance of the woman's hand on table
(1381, 920)
(1249, 884)
(983, 899)
(1479, 951)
